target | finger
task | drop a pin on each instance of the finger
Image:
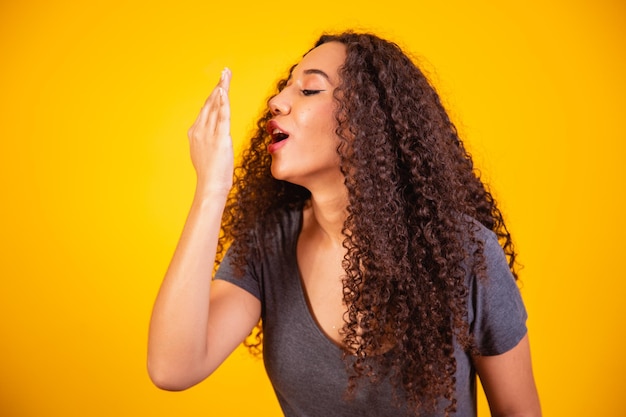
(202, 116)
(225, 79)
(218, 102)
(223, 116)
(209, 122)
(210, 106)
(212, 102)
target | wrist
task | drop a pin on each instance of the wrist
(213, 187)
(213, 195)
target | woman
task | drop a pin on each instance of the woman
(362, 237)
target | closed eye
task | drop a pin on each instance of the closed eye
(311, 92)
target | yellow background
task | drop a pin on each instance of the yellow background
(95, 101)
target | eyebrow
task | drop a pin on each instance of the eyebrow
(313, 71)
(316, 71)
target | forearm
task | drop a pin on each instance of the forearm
(177, 346)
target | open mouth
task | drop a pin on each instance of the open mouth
(277, 134)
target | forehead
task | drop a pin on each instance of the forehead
(327, 57)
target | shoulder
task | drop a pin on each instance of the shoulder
(480, 239)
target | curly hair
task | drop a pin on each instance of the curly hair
(413, 198)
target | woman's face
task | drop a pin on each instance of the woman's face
(304, 142)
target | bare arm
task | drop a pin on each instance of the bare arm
(509, 383)
(186, 343)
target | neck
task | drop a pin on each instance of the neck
(328, 212)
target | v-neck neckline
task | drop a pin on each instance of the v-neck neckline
(303, 297)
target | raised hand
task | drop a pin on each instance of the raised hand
(210, 142)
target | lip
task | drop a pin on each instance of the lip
(271, 126)
(274, 146)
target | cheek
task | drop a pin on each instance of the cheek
(326, 122)
(319, 121)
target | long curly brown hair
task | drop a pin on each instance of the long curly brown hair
(413, 192)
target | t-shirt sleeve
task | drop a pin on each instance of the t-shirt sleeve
(250, 280)
(496, 310)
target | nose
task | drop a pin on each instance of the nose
(278, 104)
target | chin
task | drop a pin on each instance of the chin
(284, 175)
(278, 173)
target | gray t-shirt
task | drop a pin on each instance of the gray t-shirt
(306, 368)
